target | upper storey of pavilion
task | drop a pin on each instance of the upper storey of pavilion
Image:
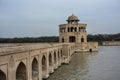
(73, 20)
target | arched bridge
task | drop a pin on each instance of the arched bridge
(32, 61)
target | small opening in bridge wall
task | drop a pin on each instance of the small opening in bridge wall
(50, 60)
(43, 63)
(2, 75)
(90, 50)
(35, 69)
(44, 66)
(21, 73)
(55, 57)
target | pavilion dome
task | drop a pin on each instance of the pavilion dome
(73, 18)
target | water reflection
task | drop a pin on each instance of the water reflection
(102, 65)
(77, 69)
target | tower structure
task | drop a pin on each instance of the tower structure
(72, 32)
(75, 32)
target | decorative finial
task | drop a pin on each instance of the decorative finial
(72, 14)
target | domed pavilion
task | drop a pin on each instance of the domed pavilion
(75, 32)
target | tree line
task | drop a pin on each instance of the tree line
(98, 37)
(103, 37)
(30, 40)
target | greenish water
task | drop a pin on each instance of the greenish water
(102, 65)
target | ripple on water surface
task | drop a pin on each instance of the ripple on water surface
(102, 65)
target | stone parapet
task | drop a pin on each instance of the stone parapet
(25, 47)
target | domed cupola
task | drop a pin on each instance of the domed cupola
(72, 19)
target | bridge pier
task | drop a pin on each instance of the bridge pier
(51, 70)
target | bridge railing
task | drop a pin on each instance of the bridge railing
(14, 49)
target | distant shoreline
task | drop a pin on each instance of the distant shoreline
(111, 43)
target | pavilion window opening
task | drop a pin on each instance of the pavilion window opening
(79, 29)
(82, 39)
(72, 29)
(63, 40)
(75, 29)
(62, 29)
(83, 29)
(68, 29)
(72, 39)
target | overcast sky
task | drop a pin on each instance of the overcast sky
(34, 18)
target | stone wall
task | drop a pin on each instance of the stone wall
(88, 46)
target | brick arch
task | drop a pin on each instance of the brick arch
(44, 65)
(21, 72)
(2, 75)
(58, 54)
(50, 59)
(35, 70)
(44, 62)
(34, 57)
(55, 57)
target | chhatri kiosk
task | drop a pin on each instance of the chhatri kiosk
(74, 32)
